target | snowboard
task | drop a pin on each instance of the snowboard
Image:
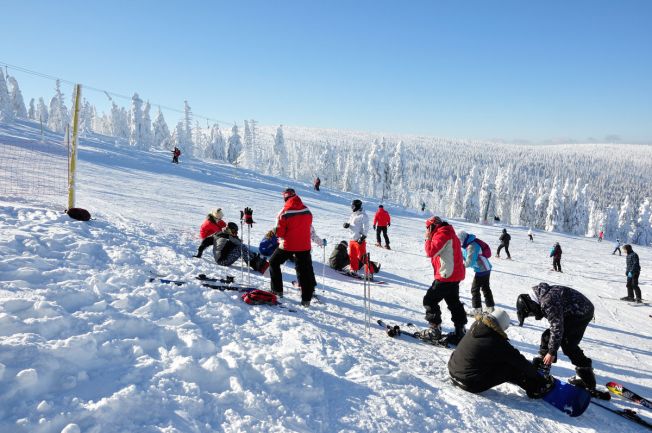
(571, 400)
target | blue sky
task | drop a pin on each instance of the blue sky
(522, 70)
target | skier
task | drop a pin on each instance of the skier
(600, 236)
(316, 183)
(617, 248)
(555, 253)
(227, 248)
(568, 313)
(633, 271)
(382, 220)
(485, 358)
(176, 153)
(269, 244)
(211, 225)
(504, 243)
(358, 224)
(530, 235)
(445, 252)
(423, 206)
(474, 258)
(293, 229)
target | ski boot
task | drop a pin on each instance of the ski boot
(488, 309)
(475, 312)
(378, 244)
(627, 298)
(585, 378)
(543, 369)
(432, 334)
(305, 304)
(387, 247)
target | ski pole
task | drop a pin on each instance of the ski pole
(323, 269)
(249, 249)
(241, 252)
(368, 292)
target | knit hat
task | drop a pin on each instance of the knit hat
(433, 220)
(233, 227)
(380, 206)
(217, 213)
(461, 235)
(289, 192)
(501, 317)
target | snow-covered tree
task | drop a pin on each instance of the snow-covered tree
(554, 214)
(280, 154)
(611, 223)
(456, 205)
(146, 127)
(487, 198)
(42, 114)
(119, 121)
(161, 132)
(6, 109)
(504, 196)
(215, 149)
(58, 113)
(235, 145)
(136, 122)
(31, 112)
(642, 230)
(17, 101)
(472, 197)
(625, 219)
(246, 157)
(375, 170)
(579, 214)
(527, 208)
(541, 204)
(397, 175)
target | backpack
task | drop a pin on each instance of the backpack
(486, 251)
(78, 213)
(257, 297)
(339, 258)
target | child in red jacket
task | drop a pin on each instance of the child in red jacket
(211, 225)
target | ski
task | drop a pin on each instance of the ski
(417, 335)
(223, 287)
(166, 281)
(625, 413)
(228, 280)
(625, 393)
(296, 285)
(361, 278)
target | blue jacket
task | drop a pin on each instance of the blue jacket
(473, 257)
(268, 246)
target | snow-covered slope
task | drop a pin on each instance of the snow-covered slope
(88, 344)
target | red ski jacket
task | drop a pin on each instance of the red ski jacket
(293, 226)
(445, 252)
(208, 228)
(382, 218)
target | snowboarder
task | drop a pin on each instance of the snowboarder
(445, 251)
(555, 253)
(269, 244)
(474, 257)
(293, 229)
(504, 243)
(176, 153)
(358, 224)
(211, 225)
(485, 358)
(633, 271)
(530, 235)
(382, 220)
(600, 236)
(617, 248)
(228, 247)
(316, 183)
(568, 313)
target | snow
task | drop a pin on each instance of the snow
(88, 344)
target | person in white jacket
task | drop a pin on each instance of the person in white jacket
(358, 224)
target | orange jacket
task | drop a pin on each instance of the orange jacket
(382, 218)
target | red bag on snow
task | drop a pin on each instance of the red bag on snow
(486, 251)
(257, 297)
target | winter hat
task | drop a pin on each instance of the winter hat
(504, 230)
(380, 206)
(433, 221)
(356, 205)
(233, 227)
(501, 317)
(289, 192)
(217, 213)
(462, 236)
(627, 248)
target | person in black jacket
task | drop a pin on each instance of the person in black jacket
(484, 358)
(555, 253)
(569, 313)
(504, 243)
(227, 248)
(633, 271)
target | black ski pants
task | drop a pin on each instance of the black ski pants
(205, 243)
(556, 264)
(449, 292)
(529, 380)
(500, 247)
(382, 230)
(617, 249)
(478, 284)
(303, 265)
(574, 328)
(632, 286)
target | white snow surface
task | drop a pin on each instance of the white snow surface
(88, 344)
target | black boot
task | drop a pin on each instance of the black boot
(584, 378)
(542, 368)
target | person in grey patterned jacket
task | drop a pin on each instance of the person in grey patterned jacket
(569, 313)
(633, 271)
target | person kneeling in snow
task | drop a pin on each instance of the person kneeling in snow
(484, 358)
(228, 248)
(211, 225)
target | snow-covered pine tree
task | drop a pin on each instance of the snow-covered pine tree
(579, 215)
(456, 204)
(86, 117)
(567, 206)
(541, 204)
(136, 122)
(146, 127)
(6, 109)
(487, 198)
(641, 233)
(611, 223)
(349, 176)
(161, 132)
(279, 154)
(625, 219)
(31, 112)
(186, 138)
(235, 145)
(17, 101)
(329, 162)
(503, 196)
(215, 149)
(199, 139)
(375, 170)
(42, 114)
(246, 157)
(396, 178)
(471, 210)
(58, 116)
(119, 121)
(554, 213)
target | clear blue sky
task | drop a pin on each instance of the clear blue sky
(514, 70)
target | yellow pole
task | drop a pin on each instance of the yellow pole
(73, 153)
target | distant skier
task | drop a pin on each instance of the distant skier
(530, 235)
(293, 229)
(382, 220)
(176, 153)
(423, 206)
(445, 251)
(504, 243)
(475, 253)
(269, 244)
(228, 248)
(617, 248)
(600, 236)
(358, 224)
(211, 225)
(633, 271)
(555, 253)
(485, 358)
(568, 313)
(316, 183)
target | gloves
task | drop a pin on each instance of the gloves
(248, 214)
(389, 224)
(347, 225)
(629, 274)
(362, 239)
(374, 227)
(324, 242)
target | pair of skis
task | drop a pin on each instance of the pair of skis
(225, 283)
(421, 335)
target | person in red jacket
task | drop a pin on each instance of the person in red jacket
(293, 229)
(176, 153)
(211, 225)
(443, 247)
(382, 220)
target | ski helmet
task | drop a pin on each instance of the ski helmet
(526, 307)
(356, 205)
(289, 192)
